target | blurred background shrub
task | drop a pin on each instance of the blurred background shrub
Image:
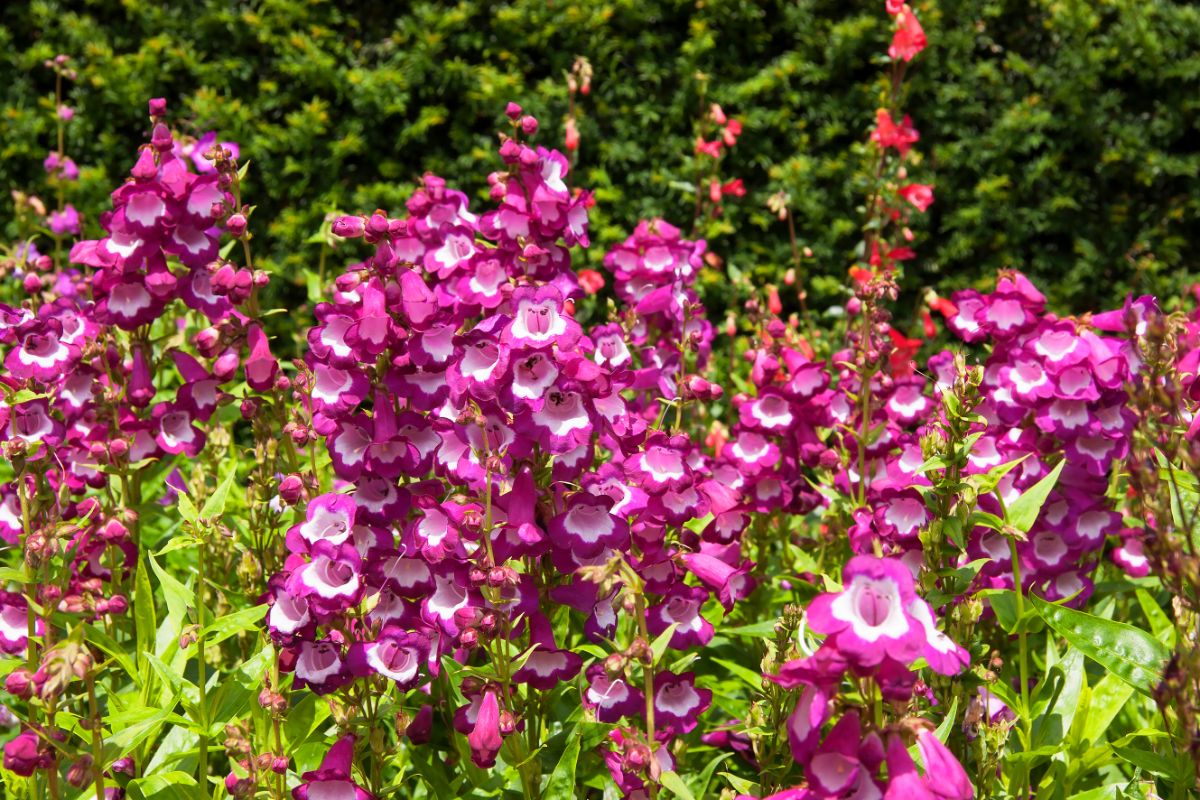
(1060, 135)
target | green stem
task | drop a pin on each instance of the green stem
(202, 786)
(1023, 663)
(97, 740)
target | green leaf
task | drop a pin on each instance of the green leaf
(943, 730)
(659, 645)
(145, 621)
(187, 509)
(1128, 652)
(1109, 696)
(1004, 604)
(233, 623)
(740, 785)
(751, 678)
(562, 779)
(214, 506)
(1160, 623)
(1053, 725)
(987, 482)
(432, 772)
(1155, 763)
(1024, 511)
(672, 781)
(706, 775)
(131, 729)
(111, 648)
(179, 598)
(173, 785)
(764, 629)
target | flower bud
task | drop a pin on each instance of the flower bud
(236, 225)
(19, 683)
(291, 489)
(158, 107)
(512, 111)
(80, 773)
(529, 125)
(161, 139)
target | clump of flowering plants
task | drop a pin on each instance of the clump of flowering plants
(490, 533)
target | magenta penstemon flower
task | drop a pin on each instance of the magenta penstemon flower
(333, 779)
(869, 620)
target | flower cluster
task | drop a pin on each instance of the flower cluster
(485, 435)
(1052, 389)
(876, 629)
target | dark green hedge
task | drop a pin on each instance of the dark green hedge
(1061, 135)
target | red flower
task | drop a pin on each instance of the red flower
(919, 194)
(712, 148)
(731, 133)
(591, 280)
(734, 187)
(862, 276)
(943, 306)
(714, 190)
(572, 135)
(903, 352)
(928, 324)
(888, 134)
(773, 303)
(909, 38)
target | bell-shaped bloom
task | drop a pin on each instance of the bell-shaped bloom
(24, 754)
(539, 320)
(41, 354)
(611, 697)
(681, 607)
(485, 739)
(904, 782)
(835, 766)
(804, 723)
(14, 623)
(944, 775)
(331, 579)
(678, 704)
(547, 666)
(661, 465)
(319, 666)
(289, 616)
(333, 780)
(587, 527)
(731, 583)
(328, 518)
(396, 654)
(175, 430)
(868, 618)
(261, 367)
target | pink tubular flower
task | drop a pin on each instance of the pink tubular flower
(333, 779)
(65, 222)
(677, 701)
(485, 739)
(909, 38)
(919, 194)
(888, 134)
(945, 777)
(868, 619)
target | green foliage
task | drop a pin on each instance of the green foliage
(1060, 136)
